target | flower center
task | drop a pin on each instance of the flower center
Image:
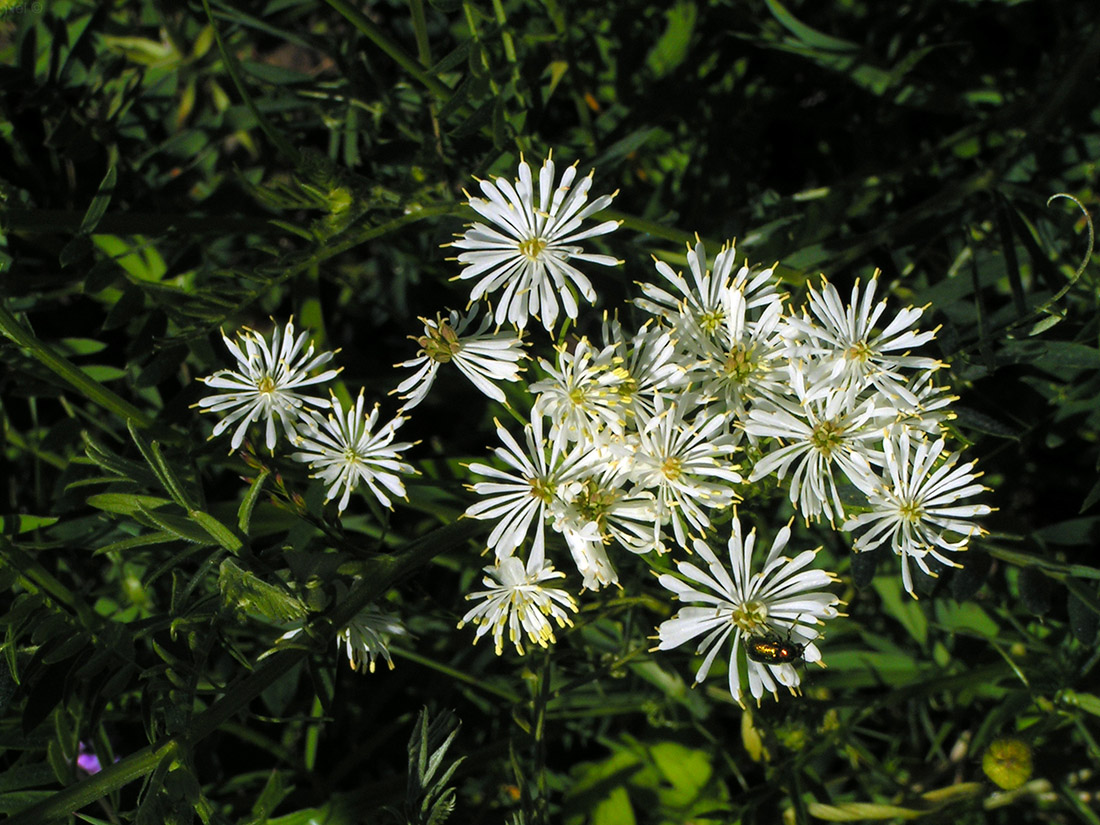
(711, 319)
(593, 503)
(441, 343)
(858, 351)
(911, 512)
(266, 385)
(532, 248)
(751, 617)
(739, 364)
(542, 489)
(672, 468)
(827, 437)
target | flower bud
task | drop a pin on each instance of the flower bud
(1007, 762)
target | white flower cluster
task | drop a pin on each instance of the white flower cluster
(642, 438)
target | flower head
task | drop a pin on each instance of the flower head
(700, 305)
(519, 598)
(482, 356)
(522, 495)
(580, 394)
(917, 508)
(783, 598)
(345, 449)
(266, 383)
(851, 352)
(685, 463)
(528, 244)
(823, 432)
(367, 637)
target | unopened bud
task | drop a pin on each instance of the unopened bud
(1007, 763)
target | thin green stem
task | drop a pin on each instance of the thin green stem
(88, 387)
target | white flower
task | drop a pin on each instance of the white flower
(518, 597)
(743, 360)
(784, 598)
(482, 356)
(580, 396)
(266, 383)
(528, 246)
(516, 499)
(640, 365)
(828, 430)
(685, 463)
(701, 303)
(916, 507)
(345, 449)
(850, 351)
(367, 637)
(593, 511)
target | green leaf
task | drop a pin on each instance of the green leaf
(163, 470)
(98, 207)
(15, 524)
(810, 36)
(903, 608)
(126, 504)
(218, 531)
(857, 811)
(244, 512)
(968, 617)
(184, 528)
(245, 591)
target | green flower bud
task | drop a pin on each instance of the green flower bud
(1007, 763)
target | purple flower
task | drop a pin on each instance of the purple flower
(86, 760)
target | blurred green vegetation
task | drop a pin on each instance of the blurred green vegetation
(170, 170)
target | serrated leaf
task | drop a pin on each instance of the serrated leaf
(244, 590)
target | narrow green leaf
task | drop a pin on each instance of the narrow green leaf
(15, 524)
(244, 512)
(126, 504)
(1045, 324)
(161, 468)
(185, 528)
(100, 202)
(856, 811)
(218, 531)
(93, 391)
(810, 36)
